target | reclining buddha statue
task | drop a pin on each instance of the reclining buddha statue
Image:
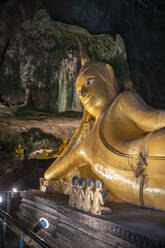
(125, 146)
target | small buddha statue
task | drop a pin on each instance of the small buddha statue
(80, 194)
(44, 185)
(88, 200)
(20, 152)
(45, 154)
(98, 200)
(73, 194)
(61, 148)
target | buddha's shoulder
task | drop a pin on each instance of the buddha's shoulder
(128, 97)
(128, 94)
(123, 100)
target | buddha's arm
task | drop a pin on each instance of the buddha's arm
(147, 118)
(61, 167)
(71, 157)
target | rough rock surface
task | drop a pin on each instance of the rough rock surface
(141, 23)
(34, 133)
(40, 59)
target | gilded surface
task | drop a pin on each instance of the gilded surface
(126, 145)
(62, 185)
(20, 152)
(61, 148)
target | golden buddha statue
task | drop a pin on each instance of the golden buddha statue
(45, 154)
(126, 146)
(20, 152)
(61, 148)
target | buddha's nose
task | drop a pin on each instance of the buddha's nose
(83, 90)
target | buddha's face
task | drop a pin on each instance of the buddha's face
(93, 92)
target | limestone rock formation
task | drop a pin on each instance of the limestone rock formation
(41, 62)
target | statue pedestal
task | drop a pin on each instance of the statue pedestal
(126, 227)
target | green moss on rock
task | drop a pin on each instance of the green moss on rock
(33, 63)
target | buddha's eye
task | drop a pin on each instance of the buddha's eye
(89, 82)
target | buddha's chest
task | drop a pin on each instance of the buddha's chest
(99, 153)
(94, 147)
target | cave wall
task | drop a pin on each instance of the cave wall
(39, 65)
(141, 23)
(40, 61)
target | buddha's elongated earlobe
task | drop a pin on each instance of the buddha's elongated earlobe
(83, 54)
(110, 79)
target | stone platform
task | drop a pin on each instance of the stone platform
(126, 227)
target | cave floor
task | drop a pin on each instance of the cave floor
(145, 221)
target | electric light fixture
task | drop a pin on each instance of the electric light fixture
(42, 223)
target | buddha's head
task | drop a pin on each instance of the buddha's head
(90, 183)
(95, 84)
(99, 185)
(81, 182)
(75, 181)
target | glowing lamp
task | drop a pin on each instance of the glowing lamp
(15, 190)
(43, 223)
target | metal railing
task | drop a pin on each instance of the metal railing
(7, 218)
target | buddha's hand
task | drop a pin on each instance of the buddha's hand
(71, 157)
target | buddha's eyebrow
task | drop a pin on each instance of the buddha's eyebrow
(90, 78)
